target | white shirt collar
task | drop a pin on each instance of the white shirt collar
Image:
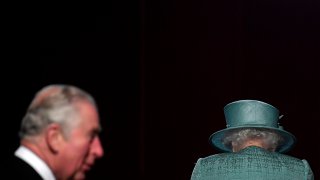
(35, 162)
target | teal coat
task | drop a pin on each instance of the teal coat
(252, 163)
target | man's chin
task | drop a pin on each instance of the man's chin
(79, 176)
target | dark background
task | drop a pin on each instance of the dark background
(162, 71)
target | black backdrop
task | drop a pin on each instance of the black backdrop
(162, 71)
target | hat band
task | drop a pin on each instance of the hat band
(251, 125)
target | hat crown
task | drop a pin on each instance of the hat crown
(251, 113)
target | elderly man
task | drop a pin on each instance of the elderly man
(59, 136)
(253, 142)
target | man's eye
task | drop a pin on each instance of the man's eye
(92, 136)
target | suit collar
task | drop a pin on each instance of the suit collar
(35, 162)
(253, 149)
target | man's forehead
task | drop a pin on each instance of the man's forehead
(88, 115)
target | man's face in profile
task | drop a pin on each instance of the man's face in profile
(83, 146)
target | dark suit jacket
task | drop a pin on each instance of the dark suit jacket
(19, 169)
(251, 163)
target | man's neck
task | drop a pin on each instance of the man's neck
(37, 149)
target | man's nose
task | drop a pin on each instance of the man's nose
(96, 148)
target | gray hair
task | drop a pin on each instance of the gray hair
(237, 138)
(53, 104)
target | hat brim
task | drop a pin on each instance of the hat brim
(216, 138)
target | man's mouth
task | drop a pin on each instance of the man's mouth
(86, 167)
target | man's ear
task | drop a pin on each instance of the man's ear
(54, 137)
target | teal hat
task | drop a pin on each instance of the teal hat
(251, 114)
